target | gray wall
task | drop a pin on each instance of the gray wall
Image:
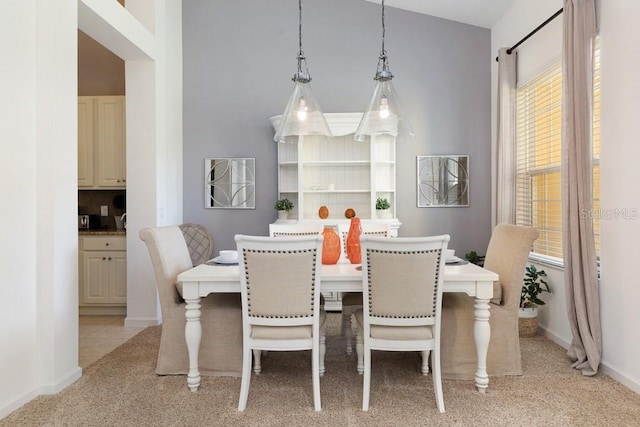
(239, 56)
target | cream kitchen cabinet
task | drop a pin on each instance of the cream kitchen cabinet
(103, 273)
(338, 173)
(101, 142)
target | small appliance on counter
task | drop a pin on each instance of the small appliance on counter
(83, 222)
(121, 221)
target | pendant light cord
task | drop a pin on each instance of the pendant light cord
(383, 52)
(300, 28)
(301, 76)
(383, 73)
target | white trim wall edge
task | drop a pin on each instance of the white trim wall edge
(141, 322)
(609, 371)
(39, 391)
(619, 376)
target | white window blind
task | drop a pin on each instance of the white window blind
(538, 152)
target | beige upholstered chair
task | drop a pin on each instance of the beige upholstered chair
(280, 291)
(199, 242)
(506, 255)
(402, 284)
(352, 301)
(221, 344)
(284, 230)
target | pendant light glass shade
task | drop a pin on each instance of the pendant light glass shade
(384, 114)
(303, 115)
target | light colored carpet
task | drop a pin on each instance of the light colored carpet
(122, 389)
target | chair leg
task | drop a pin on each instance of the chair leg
(315, 373)
(323, 345)
(437, 379)
(425, 362)
(347, 330)
(257, 367)
(360, 350)
(366, 383)
(246, 378)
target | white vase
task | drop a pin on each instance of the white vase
(283, 214)
(528, 313)
(383, 213)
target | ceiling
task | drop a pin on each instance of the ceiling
(481, 13)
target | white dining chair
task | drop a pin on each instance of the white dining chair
(280, 289)
(402, 286)
(283, 230)
(352, 301)
(507, 255)
(221, 314)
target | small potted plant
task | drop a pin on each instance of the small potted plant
(382, 208)
(474, 258)
(534, 284)
(283, 206)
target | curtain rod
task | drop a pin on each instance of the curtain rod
(538, 28)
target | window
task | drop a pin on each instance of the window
(538, 152)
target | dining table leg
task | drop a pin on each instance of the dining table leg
(482, 335)
(193, 335)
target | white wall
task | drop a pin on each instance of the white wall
(620, 90)
(39, 245)
(619, 151)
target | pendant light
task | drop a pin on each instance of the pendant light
(384, 115)
(302, 116)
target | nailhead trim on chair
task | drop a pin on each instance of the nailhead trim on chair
(313, 274)
(294, 233)
(435, 289)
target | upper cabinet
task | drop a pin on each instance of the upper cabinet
(101, 142)
(337, 172)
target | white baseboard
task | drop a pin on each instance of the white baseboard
(620, 377)
(604, 367)
(41, 390)
(141, 322)
(18, 403)
(562, 342)
(61, 385)
(85, 310)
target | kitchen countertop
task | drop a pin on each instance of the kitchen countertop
(102, 232)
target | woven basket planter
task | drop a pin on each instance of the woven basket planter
(528, 322)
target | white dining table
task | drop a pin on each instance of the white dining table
(205, 279)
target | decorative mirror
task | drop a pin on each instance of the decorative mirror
(443, 181)
(230, 183)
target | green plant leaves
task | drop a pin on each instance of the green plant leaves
(533, 285)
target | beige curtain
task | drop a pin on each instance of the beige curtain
(580, 273)
(506, 141)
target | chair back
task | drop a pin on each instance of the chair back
(507, 255)
(199, 242)
(402, 280)
(290, 230)
(169, 256)
(279, 278)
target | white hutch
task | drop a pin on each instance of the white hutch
(338, 173)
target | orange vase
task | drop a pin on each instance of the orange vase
(353, 241)
(330, 246)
